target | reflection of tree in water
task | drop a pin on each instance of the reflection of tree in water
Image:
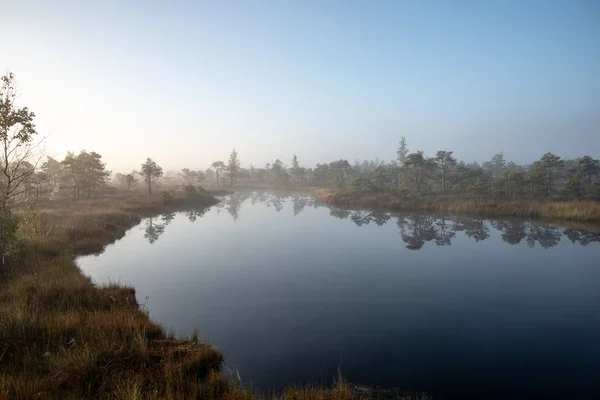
(379, 218)
(546, 235)
(167, 218)
(339, 213)
(444, 233)
(233, 207)
(417, 230)
(360, 219)
(234, 202)
(473, 228)
(153, 231)
(258, 197)
(275, 200)
(192, 215)
(313, 202)
(582, 236)
(299, 202)
(513, 231)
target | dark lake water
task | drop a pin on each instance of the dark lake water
(290, 289)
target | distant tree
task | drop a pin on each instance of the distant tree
(253, 172)
(380, 181)
(416, 162)
(190, 177)
(233, 167)
(296, 170)
(84, 173)
(551, 165)
(479, 191)
(535, 179)
(219, 166)
(511, 166)
(131, 181)
(127, 181)
(121, 179)
(92, 171)
(515, 183)
(153, 231)
(200, 177)
(445, 163)
(575, 187)
(320, 174)
(590, 168)
(279, 172)
(209, 174)
(402, 151)
(151, 170)
(495, 167)
(339, 172)
(72, 176)
(53, 169)
(430, 173)
(36, 183)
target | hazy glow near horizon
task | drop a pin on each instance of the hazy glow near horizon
(185, 83)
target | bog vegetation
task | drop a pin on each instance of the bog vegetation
(62, 336)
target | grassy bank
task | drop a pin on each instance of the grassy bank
(63, 337)
(572, 210)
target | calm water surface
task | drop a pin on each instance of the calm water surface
(290, 290)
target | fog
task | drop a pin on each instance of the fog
(186, 83)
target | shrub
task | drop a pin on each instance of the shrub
(167, 197)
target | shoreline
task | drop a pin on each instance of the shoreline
(582, 211)
(64, 336)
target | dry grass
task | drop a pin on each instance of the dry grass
(572, 210)
(63, 337)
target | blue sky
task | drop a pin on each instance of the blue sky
(185, 82)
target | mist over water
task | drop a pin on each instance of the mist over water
(290, 290)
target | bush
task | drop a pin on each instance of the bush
(167, 197)
(190, 190)
(404, 192)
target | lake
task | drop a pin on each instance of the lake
(290, 290)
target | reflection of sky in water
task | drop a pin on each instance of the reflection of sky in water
(286, 287)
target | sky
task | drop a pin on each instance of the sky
(185, 82)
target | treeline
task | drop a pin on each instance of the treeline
(411, 175)
(416, 174)
(77, 176)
